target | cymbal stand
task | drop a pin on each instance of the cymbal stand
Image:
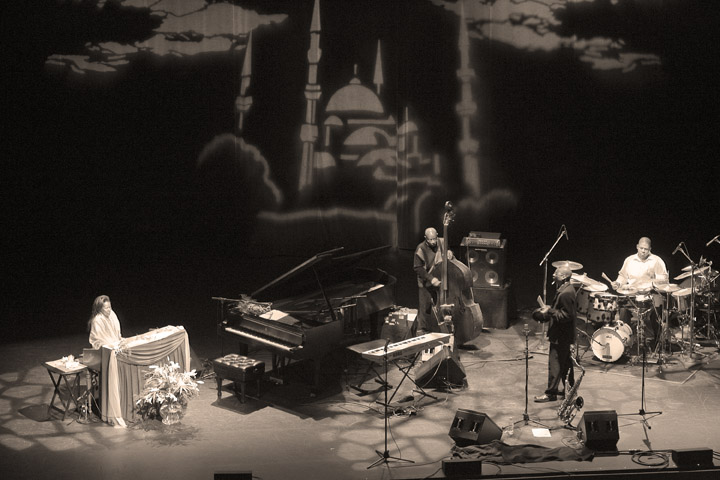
(526, 418)
(385, 456)
(544, 262)
(693, 267)
(664, 330)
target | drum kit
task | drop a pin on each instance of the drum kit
(613, 338)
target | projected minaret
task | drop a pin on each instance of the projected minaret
(243, 102)
(309, 129)
(378, 77)
(466, 109)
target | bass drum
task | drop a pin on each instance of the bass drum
(609, 343)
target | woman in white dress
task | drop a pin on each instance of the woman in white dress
(104, 325)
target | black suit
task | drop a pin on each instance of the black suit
(561, 335)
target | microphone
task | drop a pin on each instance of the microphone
(713, 240)
(565, 233)
(678, 248)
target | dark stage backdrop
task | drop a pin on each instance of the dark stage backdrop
(163, 152)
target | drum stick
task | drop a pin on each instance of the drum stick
(606, 277)
(540, 301)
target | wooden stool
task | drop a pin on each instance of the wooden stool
(239, 369)
(70, 376)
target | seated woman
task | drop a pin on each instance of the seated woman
(104, 325)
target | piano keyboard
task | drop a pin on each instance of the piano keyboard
(407, 347)
(263, 340)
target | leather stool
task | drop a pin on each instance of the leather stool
(240, 369)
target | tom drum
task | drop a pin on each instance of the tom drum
(610, 342)
(602, 307)
(583, 299)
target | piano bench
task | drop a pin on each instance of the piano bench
(239, 369)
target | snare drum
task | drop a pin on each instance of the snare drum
(602, 307)
(609, 343)
(643, 302)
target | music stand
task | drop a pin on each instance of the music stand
(526, 418)
(385, 456)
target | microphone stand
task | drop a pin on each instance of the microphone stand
(385, 456)
(526, 418)
(544, 261)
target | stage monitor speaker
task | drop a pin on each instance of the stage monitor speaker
(687, 458)
(487, 265)
(441, 370)
(473, 428)
(599, 430)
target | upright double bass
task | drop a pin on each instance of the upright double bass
(456, 289)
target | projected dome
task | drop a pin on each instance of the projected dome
(355, 98)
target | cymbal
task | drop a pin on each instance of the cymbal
(588, 283)
(626, 290)
(667, 287)
(689, 273)
(683, 292)
(567, 263)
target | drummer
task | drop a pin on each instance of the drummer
(640, 271)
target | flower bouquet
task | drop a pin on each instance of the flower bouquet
(166, 393)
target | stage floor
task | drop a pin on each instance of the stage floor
(287, 433)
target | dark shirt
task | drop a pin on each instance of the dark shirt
(423, 262)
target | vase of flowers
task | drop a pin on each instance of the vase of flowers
(166, 393)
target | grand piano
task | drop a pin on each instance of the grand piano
(321, 305)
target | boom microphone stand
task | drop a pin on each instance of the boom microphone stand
(544, 261)
(526, 418)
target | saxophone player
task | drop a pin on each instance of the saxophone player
(560, 333)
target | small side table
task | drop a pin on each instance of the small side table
(59, 372)
(240, 369)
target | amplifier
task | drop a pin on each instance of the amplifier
(482, 242)
(462, 467)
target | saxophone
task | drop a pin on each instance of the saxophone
(572, 403)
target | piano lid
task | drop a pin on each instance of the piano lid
(314, 273)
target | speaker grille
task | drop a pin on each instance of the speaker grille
(487, 265)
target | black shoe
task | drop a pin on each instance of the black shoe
(545, 398)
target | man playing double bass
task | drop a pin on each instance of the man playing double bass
(428, 254)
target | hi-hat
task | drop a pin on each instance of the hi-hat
(567, 263)
(689, 273)
(626, 290)
(595, 287)
(643, 287)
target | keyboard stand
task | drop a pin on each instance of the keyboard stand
(406, 374)
(359, 349)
